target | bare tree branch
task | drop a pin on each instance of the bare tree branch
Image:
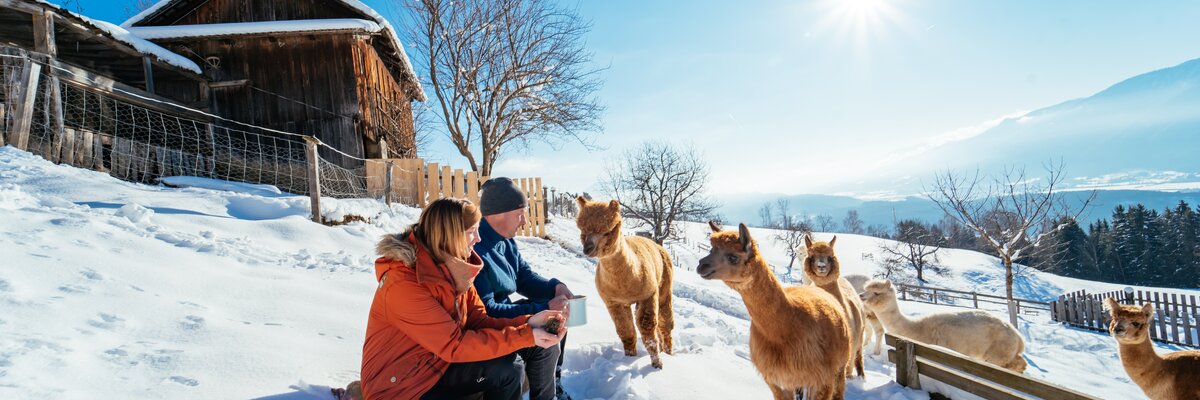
(658, 185)
(505, 73)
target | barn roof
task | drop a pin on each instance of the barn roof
(122, 36)
(395, 47)
(255, 28)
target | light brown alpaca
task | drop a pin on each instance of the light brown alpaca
(633, 270)
(874, 330)
(974, 333)
(822, 269)
(1174, 376)
(799, 338)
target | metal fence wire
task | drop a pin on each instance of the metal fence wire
(100, 131)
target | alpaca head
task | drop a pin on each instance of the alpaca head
(1130, 324)
(821, 265)
(878, 294)
(732, 256)
(599, 226)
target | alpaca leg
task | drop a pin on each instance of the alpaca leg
(823, 392)
(878, 337)
(780, 394)
(858, 362)
(666, 314)
(623, 319)
(647, 322)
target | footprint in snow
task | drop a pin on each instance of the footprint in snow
(91, 274)
(192, 322)
(74, 289)
(182, 380)
(106, 321)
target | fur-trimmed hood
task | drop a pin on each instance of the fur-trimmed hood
(402, 249)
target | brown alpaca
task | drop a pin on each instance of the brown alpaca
(1174, 376)
(799, 337)
(633, 270)
(822, 269)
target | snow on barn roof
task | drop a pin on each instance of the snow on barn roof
(386, 30)
(249, 28)
(121, 35)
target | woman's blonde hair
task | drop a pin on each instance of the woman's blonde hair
(443, 225)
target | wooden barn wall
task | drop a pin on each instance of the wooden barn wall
(311, 91)
(222, 11)
(385, 108)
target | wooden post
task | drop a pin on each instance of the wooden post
(383, 149)
(906, 365)
(148, 72)
(431, 184)
(541, 214)
(387, 185)
(43, 33)
(447, 182)
(314, 177)
(25, 97)
(460, 186)
(473, 187)
(975, 298)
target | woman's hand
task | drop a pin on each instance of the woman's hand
(541, 337)
(561, 290)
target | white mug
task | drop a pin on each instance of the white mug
(578, 313)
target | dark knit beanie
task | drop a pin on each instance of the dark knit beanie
(501, 195)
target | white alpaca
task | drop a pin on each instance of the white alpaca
(976, 334)
(875, 331)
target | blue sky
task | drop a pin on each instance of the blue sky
(818, 96)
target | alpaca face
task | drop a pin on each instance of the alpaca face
(599, 226)
(1130, 324)
(878, 294)
(730, 256)
(821, 261)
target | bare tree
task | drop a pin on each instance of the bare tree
(915, 248)
(767, 215)
(791, 231)
(1009, 214)
(659, 184)
(134, 7)
(852, 223)
(506, 72)
(826, 223)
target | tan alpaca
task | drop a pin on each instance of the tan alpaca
(974, 333)
(799, 338)
(874, 329)
(1174, 376)
(822, 269)
(633, 270)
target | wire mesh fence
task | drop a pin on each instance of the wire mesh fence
(77, 121)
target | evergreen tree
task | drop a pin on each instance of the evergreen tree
(1070, 253)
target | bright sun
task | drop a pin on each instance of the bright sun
(859, 21)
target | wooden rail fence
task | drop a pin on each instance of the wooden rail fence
(412, 182)
(982, 379)
(1175, 316)
(936, 295)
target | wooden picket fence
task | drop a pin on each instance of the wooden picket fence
(413, 182)
(1175, 316)
(982, 379)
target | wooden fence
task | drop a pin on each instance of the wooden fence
(413, 182)
(982, 379)
(935, 295)
(1175, 316)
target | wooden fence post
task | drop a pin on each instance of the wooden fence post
(25, 97)
(387, 184)
(314, 177)
(906, 365)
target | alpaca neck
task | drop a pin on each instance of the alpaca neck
(895, 321)
(1140, 359)
(620, 258)
(762, 293)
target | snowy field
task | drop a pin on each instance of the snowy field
(117, 290)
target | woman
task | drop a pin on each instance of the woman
(428, 335)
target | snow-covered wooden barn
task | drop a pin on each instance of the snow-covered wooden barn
(333, 69)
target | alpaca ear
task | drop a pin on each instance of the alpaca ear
(831, 241)
(581, 200)
(615, 205)
(807, 241)
(1148, 309)
(1110, 305)
(744, 236)
(713, 225)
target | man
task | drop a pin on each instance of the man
(504, 272)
